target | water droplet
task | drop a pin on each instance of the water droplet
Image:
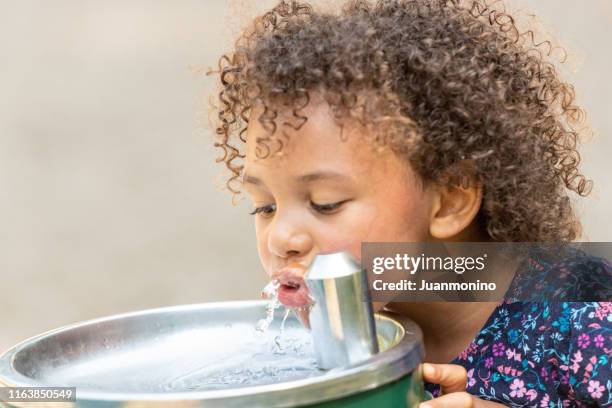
(271, 291)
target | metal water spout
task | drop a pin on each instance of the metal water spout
(341, 318)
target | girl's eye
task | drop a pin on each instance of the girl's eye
(266, 210)
(326, 208)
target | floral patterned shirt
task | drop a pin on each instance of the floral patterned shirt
(543, 354)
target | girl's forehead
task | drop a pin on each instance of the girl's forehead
(318, 145)
(312, 131)
(318, 148)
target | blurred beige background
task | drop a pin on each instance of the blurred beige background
(110, 198)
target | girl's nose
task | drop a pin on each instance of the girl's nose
(287, 238)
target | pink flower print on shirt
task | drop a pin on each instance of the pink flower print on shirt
(604, 309)
(511, 353)
(584, 341)
(590, 366)
(576, 360)
(517, 388)
(595, 389)
(471, 379)
(598, 341)
(470, 350)
(531, 394)
(498, 349)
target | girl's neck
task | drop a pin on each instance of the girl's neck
(448, 327)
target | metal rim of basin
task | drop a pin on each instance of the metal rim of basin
(383, 368)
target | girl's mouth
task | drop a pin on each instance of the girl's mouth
(292, 291)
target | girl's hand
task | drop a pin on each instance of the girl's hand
(452, 379)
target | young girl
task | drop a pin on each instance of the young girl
(419, 121)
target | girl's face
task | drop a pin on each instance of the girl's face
(324, 194)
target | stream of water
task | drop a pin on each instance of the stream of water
(267, 357)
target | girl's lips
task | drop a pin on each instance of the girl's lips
(292, 291)
(293, 296)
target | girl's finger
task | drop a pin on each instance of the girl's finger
(451, 377)
(453, 400)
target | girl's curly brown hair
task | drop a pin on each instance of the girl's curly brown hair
(444, 83)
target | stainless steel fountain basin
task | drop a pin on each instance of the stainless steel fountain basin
(130, 360)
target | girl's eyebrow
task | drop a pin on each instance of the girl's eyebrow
(323, 175)
(248, 179)
(306, 178)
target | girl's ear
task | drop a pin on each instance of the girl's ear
(453, 209)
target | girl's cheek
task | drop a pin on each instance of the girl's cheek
(353, 247)
(348, 232)
(264, 254)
